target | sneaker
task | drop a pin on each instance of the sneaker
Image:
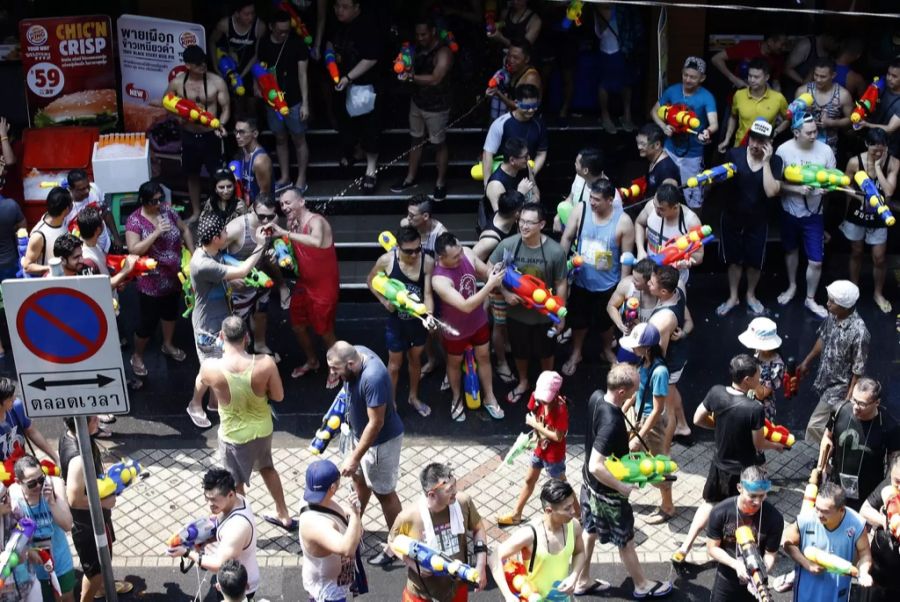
(440, 193)
(402, 186)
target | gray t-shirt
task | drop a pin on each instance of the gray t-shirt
(10, 215)
(799, 205)
(547, 262)
(210, 290)
(371, 389)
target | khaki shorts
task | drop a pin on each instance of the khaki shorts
(656, 438)
(434, 123)
(241, 459)
(380, 465)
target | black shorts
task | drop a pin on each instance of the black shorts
(729, 590)
(608, 516)
(154, 309)
(402, 335)
(742, 242)
(530, 340)
(198, 150)
(719, 484)
(83, 540)
(588, 308)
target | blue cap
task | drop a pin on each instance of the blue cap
(320, 475)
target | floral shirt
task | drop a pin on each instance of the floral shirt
(166, 250)
(771, 375)
(845, 351)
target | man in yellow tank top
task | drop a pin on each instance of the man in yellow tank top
(244, 384)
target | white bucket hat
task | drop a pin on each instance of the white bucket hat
(762, 334)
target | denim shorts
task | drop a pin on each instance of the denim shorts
(554, 469)
(279, 124)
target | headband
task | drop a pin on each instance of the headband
(761, 486)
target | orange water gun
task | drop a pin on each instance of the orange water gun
(142, 266)
(189, 110)
(682, 119)
(331, 65)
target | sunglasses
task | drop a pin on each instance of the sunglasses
(413, 251)
(528, 106)
(35, 483)
(266, 217)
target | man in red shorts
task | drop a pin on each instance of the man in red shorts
(315, 298)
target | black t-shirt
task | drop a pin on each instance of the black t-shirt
(885, 558)
(737, 416)
(606, 432)
(283, 59)
(862, 448)
(747, 200)
(767, 526)
(356, 41)
(662, 171)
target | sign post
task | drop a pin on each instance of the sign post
(66, 344)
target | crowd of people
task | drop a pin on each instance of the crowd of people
(472, 312)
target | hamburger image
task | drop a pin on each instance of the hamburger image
(89, 107)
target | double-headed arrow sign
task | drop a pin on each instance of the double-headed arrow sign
(100, 381)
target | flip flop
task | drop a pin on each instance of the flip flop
(122, 587)
(724, 308)
(599, 585)
(756, 308)
(570, 367)
(495, 411)
(175, 353)
(884, 305)
(305, 369)
(422, 408)
(274, 520)
(515, 395)
(427, 369)
(200, 421)
(783, 583)
(332, 381)
(458, 411)
(505, 374)
(660, 589)
(659, 518)
(138, 371)
(508, 520)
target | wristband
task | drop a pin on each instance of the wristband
(4, 138)
(200, 561)
(480, 547)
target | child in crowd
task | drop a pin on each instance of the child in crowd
(762, 338)
(548, 415)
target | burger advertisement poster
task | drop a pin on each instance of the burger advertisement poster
(70, 75)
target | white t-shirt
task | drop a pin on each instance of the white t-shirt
(820, 154)
(95, 197)
(581, 191)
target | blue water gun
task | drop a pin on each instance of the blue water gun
(470, 379)
(331, 424)
(118, 477)
(228, 67)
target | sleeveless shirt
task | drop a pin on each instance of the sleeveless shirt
(247, 556)
(464, 281)
(248, 416)
(598, 244)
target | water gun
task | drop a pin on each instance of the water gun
(21, 247)
(229, 68)
(477, 170)
(16, 550)
(268, 86)
(435, 562)
(635, 191)
(801, 104)
(331, 424)
(470, 379)
(640, 468)
(575, 263)
(284, 254)
(866, 104)
(677, 248)
(892, 511)
(490, 16)
(404, 61)
(141, 267)
(777, 433)
(830, 562)
(397, 294)
(331, 65)
(719, 173)
(47, 562)
(118, 478)
(255, 279)
(811, 492)
(196, 533)
(184, 276)
(296, 22)
(874, 199)
(631, 311)
(499, 79)
(573, 15)
(524, 442)
(534, 293)
(449, 39)
(816, 176)
(188, 109)
(682, 119)
(235, 168)
(790, 382)
(64, 183)
(519, 583)
(753, 562)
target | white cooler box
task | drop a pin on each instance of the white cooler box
(123, 174)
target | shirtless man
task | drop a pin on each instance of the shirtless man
(200, 145)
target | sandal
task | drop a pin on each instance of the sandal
(505, 374)
(305, 369)
(422, 408)
(458, 411)
(139, 369)
(175, 353)
(515, 395)
(509, 520)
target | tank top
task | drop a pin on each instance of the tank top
(498, 107)
(656, 230)
(49, 234)
(247, 557)
(644, 313)
(328, 577)
(856, 213)
(47, 535)
(317, 269)
(430, 98)
(676, 352)
(550, 568)
(464, 281)
(248, 416)
(242, 46)
(416, 287)
(831, 109)
(598, 244)
(248, 179)
(515, 30)
(486, 210)
(247, 242)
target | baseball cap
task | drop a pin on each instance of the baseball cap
(761, 128)
(695, 62)
(843, 292)
(547, 387)
(194, 55)
(643, 335)
(320, 475)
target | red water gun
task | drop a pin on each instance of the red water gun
(867, 102)
(449, 39)
(189, 110)
(534, 293)
(519, 584)
(678, 247)
(269, 88)
(331, 65)
(790, 382)
(777, 433)
(682, 119)
(892, 510)
(143, 265)
(296, 21)
(635, 191)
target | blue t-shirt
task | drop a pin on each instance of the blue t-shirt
(532, 131)
(370, 390)
(701, 102)
(659, 386)
(12, 430)
(47, 534)
(827, 587)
